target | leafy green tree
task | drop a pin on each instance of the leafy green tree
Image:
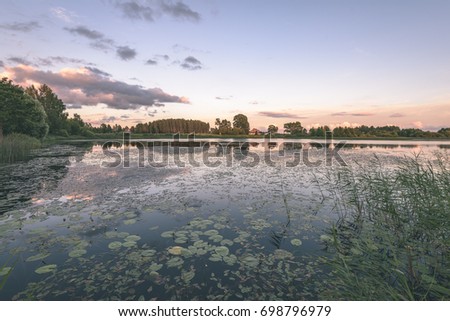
(272, 129)
(240, 121)
(53, 106)
(294, 128)
(20, 113)
(223, 127)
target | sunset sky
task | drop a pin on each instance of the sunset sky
(333, 62)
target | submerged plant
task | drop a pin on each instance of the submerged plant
(392, 239)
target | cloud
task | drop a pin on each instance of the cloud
(108, 119)
(125, 116)
(180, 10)
(20, 60)
(191, 63)
(21, 26)
(417, 124)
(63, 14)
(126, 53)
(395, 115)
(152, 113)
(224, 98)
(344, 124)
(165, 57)
(74, 106)
(151, 62)
(85, 32)
(344, 113)
(85, 87)
(279, 115)
(254, 102)
(2, 64)
(98, 71)
(149, 11)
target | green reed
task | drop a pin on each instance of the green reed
(392, 239)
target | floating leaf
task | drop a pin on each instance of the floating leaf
(46, 269)
(222, 250)
(175, 262)
(211, 232)
(188, 276)
(249, 260)
(114, 245)
(325, 238)
(181, 240)
(282, 254)
(167, 234)
(155, 267)
(123, 235)
(132, 238)
(175, 250)
(130, 221)
(5, 270)
(129, 244)
(77, 253)
(296, 242)
(37, 257)
(148, 253)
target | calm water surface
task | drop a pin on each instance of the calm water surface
(73, 226)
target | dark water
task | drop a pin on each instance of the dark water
(216, 222)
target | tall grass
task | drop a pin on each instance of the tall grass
(15, 147)
(392, 239)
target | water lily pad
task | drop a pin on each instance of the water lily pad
(296, 242)
(181, 240)
(230, 259)
(155, 267)
(123, 235)
(249, 260)
(188, 276)
(167, 234)
(46, 269)
(37, 257)
(211, 232)
(215, 257)
(114, 245)
(175, 262)
(130, 221)
(282, 254)
(175, 250)
(148, 253)
(325, 238)
(5, 270)
(77, 253)
(132, 238)
(216, 238)
(129, 244)
(226, 242)
(222, 250)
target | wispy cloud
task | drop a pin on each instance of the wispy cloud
(224, 97)
(101, 42)
(150, 11)
(98, 71)
(63, 14)
(357, 114)
(417, 124)
(273, 114)
(84, 87)
(2, 64)
(20, 60)
(191, 63)
(397, 115)
(21, 26)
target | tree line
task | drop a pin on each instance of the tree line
(39, 111)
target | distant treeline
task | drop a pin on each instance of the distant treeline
(178, 125)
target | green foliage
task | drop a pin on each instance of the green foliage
(164, 126)
(20, 113)
(240, 122)
(223, 127)
(392, 240)
(53, 106)
(16, 147)
(294, 128)
(272, 129)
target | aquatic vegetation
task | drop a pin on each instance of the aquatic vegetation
(296, 242)
(16, 147)
(391, 241)
(46, 269)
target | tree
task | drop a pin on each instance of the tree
(294, 128)
(240, 121)
(272, 129)
(223, 127)
(20, 113)
(53, 106)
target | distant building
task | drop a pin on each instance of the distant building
(254, 131)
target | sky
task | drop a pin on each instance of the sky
(335, 62)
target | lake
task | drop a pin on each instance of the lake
(177, 220)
